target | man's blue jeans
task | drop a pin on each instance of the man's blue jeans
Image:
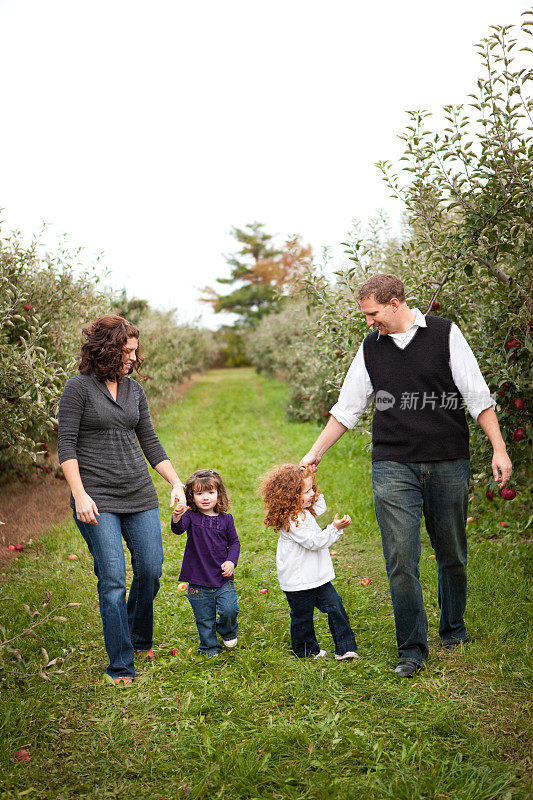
(326, 599)
(206, 603)
(128, 626)
(402, 493)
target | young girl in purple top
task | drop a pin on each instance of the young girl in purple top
(210, 557)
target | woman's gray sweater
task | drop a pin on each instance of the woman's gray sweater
(102, 435)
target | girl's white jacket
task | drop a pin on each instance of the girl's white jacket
(302, 558)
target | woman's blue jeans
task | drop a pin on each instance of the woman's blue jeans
(302, 604)
(402, 494)
(206, 603)
(128, 626)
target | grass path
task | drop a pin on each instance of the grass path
(257, 723)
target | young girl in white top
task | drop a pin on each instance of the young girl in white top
(303, 561)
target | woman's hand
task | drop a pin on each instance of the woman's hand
(227, 569)
(86, 509)
(341, 522)
(177, 497)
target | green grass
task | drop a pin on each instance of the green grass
(256, 722)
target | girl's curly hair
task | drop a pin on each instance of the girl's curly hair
(282, 490)
(204, 479)
(102, 352)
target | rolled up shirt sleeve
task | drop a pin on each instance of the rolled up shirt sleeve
(356, 393)
(467, 375)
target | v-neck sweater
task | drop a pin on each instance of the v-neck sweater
(108, 438)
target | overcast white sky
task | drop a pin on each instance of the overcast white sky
(147, 130)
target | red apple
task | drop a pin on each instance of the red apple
(469, 519)
(365, 582)
(19, 547)
(519, 434)
(512, 343)
(22, 755)
(72, 557)
(435, 305)
(326, 413)
(507, 493)
(503, 524)
(519, 403)
(263, 591)
(182, 587)
(28, 307)
(11, 547)
(489, 495)
(173, 652)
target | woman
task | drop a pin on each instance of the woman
(103, 418)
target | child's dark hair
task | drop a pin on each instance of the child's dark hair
(282, 490)
(204, 479)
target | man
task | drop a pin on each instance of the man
(421, 372)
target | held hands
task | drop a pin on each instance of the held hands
(341, 522)
(227, 569)
(179, 510)
(310, 460)
(177, 496)
(86, 509)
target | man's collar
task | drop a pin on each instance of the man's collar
(419, 320)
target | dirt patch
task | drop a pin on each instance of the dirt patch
(28, 509)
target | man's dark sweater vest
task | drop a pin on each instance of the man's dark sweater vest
(418, 414)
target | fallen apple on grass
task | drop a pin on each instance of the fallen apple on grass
(366, 582)
(503, 524)
(263, 591)
(182, 587)
(469, 519)
(72, 557)
(11, 547)
(22, 755)
(507, 493)
(173, 652)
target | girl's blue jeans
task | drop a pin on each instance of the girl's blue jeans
(326, 599)
(206, 603)
(128, 625)
(403, 493)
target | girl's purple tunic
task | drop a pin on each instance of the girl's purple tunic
(210, 542)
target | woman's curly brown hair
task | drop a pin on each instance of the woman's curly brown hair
(204, 479)
(282, 490)
(102, 353)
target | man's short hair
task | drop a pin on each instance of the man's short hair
(383, 288)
